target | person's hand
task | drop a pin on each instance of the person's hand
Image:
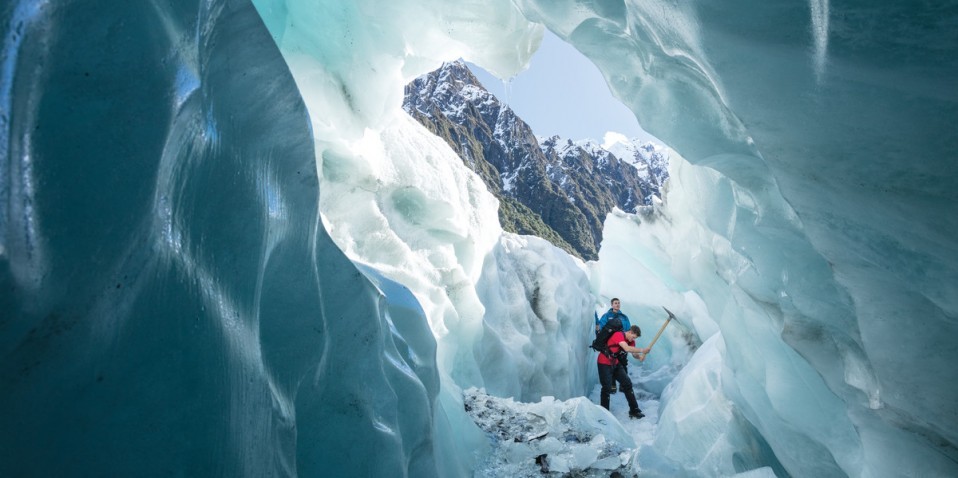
(636, 355)
(642, 357)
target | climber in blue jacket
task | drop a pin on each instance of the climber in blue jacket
(613, 312)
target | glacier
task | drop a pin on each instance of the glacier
(225, 250)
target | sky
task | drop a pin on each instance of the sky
(562, 92)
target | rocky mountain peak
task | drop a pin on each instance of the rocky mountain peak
(555, 188)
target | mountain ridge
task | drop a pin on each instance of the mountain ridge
(556, 189)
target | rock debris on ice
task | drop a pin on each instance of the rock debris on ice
(550, 438)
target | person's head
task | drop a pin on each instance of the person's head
(633, 333)
(616, 304)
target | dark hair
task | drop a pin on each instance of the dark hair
(614, 299)
(636, 330)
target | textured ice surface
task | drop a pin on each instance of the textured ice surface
(171, 300)
(506, 311)
(700, 428)
(529, 439)
(535, 327)
(820, 238)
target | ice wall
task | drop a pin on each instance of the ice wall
(816, 220)
(536, 327)
(159, 211)
(170, 302)
(509, 314)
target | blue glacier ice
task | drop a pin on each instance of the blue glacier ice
(171, 301)
(225, 250)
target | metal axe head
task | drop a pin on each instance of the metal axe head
(671, 315)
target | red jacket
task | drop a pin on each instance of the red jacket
(614, 347)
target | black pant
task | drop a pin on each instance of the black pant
(619, 373)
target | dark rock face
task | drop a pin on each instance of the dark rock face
(558, 190)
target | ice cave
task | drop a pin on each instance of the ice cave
(226, 251)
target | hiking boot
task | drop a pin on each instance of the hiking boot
(636, 414)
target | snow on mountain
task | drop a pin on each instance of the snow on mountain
(650, 161)
(649, 158)
(458, 94)
(554, 189)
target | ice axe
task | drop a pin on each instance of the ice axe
(662, 329)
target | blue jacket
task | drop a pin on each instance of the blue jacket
(626, 323)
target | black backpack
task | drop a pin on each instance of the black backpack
(600, 343)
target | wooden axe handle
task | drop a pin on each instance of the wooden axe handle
(662, 329)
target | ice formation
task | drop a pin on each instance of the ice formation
(172, 301)
(549, 436)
